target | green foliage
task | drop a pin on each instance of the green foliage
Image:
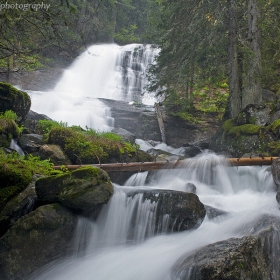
(228, 124)
(275, 126)
(9, 115)
(16, 173)
(45, 126)
(127, 35)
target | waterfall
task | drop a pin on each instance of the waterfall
(14, 146)
(102, 71)
(122, 243)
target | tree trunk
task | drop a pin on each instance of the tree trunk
(252, 93)
(234, 102)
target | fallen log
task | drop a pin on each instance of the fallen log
(145, 166)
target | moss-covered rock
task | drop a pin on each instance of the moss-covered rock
(15, 100)
(8, 131)
(84, 189)
(18, 206)
(35, 240)
(184, 210)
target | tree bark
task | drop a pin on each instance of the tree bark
(252, 93)
(234, 102)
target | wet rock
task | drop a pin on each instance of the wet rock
(31, 143)
(84, 189)
(275, 170)
(125, 134)
(252, 257)
(15, 100)
(19, 206)
(36, 239)
(213, 213)
(160, 155)
(31, 121)
(192, 151)
(191, 188)
(54, 153)
(176, 211)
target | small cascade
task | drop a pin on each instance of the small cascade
(14, 146)
(102, 71)
(123, 243)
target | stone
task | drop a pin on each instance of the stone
(275, 170)
(213, 213)
(254, 114)
(54, 153)
(191, 188)
(192, 151)
(85, 189)
(31, 143)
(15, 100)
(125, 134)
(184, 210)
(18, 206)
(251, 257)
(35, 240)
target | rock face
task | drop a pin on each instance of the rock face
(84, 189)
(15, 100)
(142, 122)
(252, 257)
(125, 134)
(184, 210)
(253, 131)
(35, 240)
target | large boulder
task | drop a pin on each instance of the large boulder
(176, 211)
(31, 143)
(252, 257)
(18, 206)
(35, 240)
(15, 100)
(84, 189)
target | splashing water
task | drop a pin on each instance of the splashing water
(103, 71)
(122, 243)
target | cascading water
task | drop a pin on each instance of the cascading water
(122, 244)
(102, 71)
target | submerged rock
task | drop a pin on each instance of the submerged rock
(84, 189)
(252, 257)
(35, 240)
(176, 211)
(213, 213)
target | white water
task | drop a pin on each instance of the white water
(102, 71)
(120, 245)
(16, 147)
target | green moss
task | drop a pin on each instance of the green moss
(228, 124)
(252, 120)
(245, 129)
(275, 127)
(274, 148)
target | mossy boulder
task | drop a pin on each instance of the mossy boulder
(18, 206)
(15, 100)
(84, 189)
(14, 177)
(35, 240)
(251, 257)
(8, 131)
(184, 210)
